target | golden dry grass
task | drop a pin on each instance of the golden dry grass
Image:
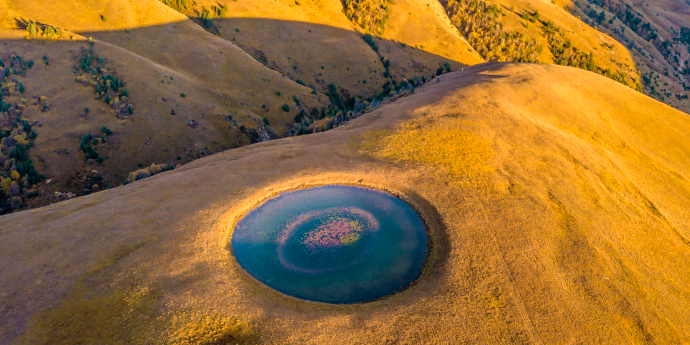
(121, 317)
(455, 152)
(607, 52)
(424, 25)
(576, 229)
(127, 313)
(207, 330)
(316, 33)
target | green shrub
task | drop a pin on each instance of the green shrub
(335, 97)
(370, 41)
(32, 28)
(439, 70)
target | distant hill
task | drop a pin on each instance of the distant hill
(529, 31)
(171, 81)
(657, 33)
(316, 43)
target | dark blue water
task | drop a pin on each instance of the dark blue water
(334, 244)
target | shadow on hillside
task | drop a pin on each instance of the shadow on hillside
(317, 55)
(174, 47)
(189, 50)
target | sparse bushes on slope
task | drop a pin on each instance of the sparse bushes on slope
(627, 15)
(370, 15)
(143, 173)
(564, 53)
(636, 22)
(344, 107)
(684, 37)
(478, 22)
(17, 172)
(443, 68)
(36, 30)
(107, 86)
(89, 141)
(204, 16)
(178, 5)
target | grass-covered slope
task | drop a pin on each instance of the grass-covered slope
(188, 94)
(556, 216)
(317, 43)
(657, 33)
(425, 26)
(163, 36)
(540, 31)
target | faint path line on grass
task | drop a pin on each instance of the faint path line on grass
(534, 337)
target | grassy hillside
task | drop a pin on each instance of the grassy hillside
(314, 41)
(188, 94)
(658, 35)
(425, 26)
(556, 216)
(198, 77)
(529, 31)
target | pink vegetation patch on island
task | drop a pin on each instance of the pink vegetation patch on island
(336, 232)
(343, 226)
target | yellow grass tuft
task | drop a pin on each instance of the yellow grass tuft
(87, 317)
(441, 145)
(129, 314)
(193, 328)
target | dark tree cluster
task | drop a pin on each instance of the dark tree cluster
(344, 107)
(17, 172)
(109, 88)
(89, 142)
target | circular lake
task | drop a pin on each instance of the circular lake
(335, 244)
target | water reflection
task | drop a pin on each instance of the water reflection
(334, 244)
